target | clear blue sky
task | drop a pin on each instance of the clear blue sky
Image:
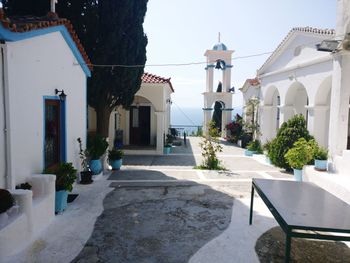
(180, 31)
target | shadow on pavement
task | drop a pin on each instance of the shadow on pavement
(157, 222)
(270, 247)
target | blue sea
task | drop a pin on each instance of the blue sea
(191, 117)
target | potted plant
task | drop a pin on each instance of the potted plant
(96, 147)
(253, 148)
(167, 145)
(320, 157)
(266, 149)
(65, 177)
(115, 158)
(85, 174)
(299, 155)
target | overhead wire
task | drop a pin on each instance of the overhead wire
(192, 63)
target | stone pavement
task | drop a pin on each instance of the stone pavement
(160, 209)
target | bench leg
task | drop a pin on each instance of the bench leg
(288, 246)
(251, 205)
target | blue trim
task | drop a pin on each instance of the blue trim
(63, 129)
(207, 108)
(227, 109)
(63, 132)
(14, 36)
(229, 66)
(210, 66)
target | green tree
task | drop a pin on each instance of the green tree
(112, 34)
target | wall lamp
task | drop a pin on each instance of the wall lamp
(328, 45)
(62, 95)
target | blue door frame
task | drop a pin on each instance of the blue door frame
(62, 129)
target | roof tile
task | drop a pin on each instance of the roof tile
(20, 24)
(154, 79)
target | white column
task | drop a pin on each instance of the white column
(286, 112)
(210, 77)
(339, 107)
(207, 118)
(160, 131)
(266, 122)
(318, 123)
(227, 84)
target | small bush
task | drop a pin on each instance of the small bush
(65, 176)
(115, 154)
(96, 146)
(320, 153)
(255, 146)
(6, 200)
(300, 154)
(287, 135)
(209, 153)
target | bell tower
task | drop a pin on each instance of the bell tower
(218, 58)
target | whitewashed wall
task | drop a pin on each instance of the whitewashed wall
(36, 67)
(2, 134)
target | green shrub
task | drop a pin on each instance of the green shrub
(96, 146)
(6, 200)
(115, 154)
(255, 146)
(209, 152)
(66, 175)
(287, 135)
(321, 153)
(300, 154)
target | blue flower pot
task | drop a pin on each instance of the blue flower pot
(95, 166)
(166, 150)
(248, 153)
(321, 165)
(116, 164)
(268, 160)
(298, 175)
(61, 201)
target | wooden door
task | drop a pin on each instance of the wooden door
(140, 125)
(52, 141)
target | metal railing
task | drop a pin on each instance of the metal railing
(191, 130)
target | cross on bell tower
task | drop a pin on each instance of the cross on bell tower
(218, 58)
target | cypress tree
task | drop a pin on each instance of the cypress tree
(111, 32)
(218, 110)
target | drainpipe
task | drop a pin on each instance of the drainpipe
(7, 152)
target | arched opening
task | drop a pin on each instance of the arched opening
(270, 119)
(217, 114)
(296, 101)
(321, 112)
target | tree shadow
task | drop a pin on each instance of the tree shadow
(270, 247)
(157, 221)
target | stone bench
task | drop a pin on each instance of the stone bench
(36, 211)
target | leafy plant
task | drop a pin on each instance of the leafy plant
(235, 129)
(212, 130)
(96, 146)
(115, 154)
(255, 146)
(209, 152)
(25, 186)
(266, 147)
(66, 175)
(83, 156)
(320, 153)
(300, 154)
(287, 135)
(7, 200)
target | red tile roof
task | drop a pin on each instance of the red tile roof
(154, 79)
(21, 24)
(253, 82)
(311, 30)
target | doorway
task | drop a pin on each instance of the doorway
(140, 125)
(54, 137)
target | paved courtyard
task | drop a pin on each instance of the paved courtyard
(160, 209)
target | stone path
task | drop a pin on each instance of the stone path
(162, 210)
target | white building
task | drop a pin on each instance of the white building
(250, 90)
(38, 57)
(297, 79)
(146, 123)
